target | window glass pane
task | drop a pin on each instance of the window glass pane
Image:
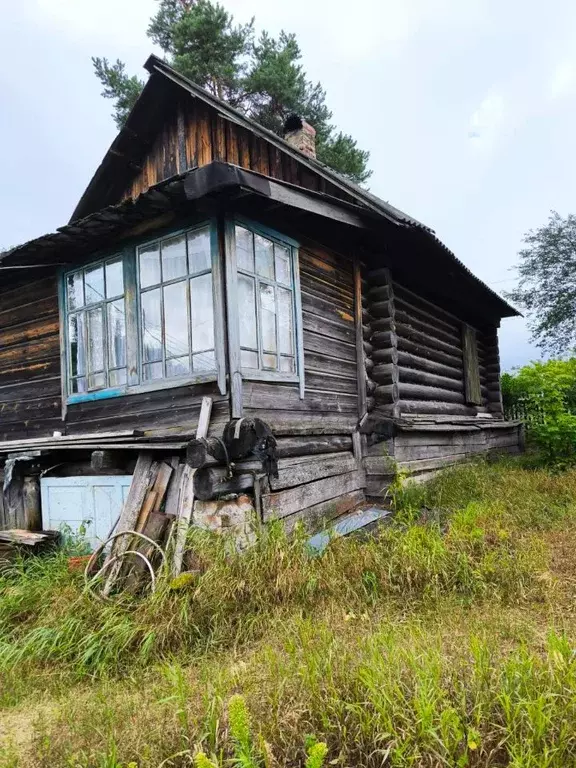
(268, 317)
(96, 380)
(151, 326)
(174, 258)
(199, 250)
(205, 361)
(94, 284)
(117, 377)
(75, 289)
(285, 321)
(152, 371)
(282, 258)
(79, 385)
(116, 334)
(249, 359)
(247, 312)
(264, 257)
(287, 364)
(244, 249)
(269, 362)
(95, 342)
(149, 258)
(175, 320)
(114, 279)
(202, 311)
(76, 343)
(178, 366)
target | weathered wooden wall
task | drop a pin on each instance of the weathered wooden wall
(422, 449)
(30, 402)
(30, 381)
(163, 410)
(325, 419)
(194, 134)
(414, 354)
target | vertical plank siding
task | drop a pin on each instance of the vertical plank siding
(198, 130)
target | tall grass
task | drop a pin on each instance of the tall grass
(411, 648)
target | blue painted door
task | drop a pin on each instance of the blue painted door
(94, 501)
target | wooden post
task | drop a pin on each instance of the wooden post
(186, 496)
(31, 503)
(233, 323)
(360, 357)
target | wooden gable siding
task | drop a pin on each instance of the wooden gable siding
(327, 285)
(194, 134)
(30, 400)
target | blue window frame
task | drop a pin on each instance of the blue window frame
(146, 318)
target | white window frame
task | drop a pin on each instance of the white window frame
(232, 272)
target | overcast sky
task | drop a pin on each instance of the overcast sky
(468, 108)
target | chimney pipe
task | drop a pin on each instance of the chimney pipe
(300, 135)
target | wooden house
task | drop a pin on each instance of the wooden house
(209, 257)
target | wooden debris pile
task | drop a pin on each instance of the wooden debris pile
(150, 533)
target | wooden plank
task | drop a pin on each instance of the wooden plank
(234, 365)
(314, 518)
(173, 493)
(283, 503)
(471, 372)
(183, 517)
(161, 484)
(141, 480)
(360, 363)
(186, 497)
(313, 469)
(147, 507)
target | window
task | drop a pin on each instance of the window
(145, 318)
(266, 304)
(176, 306)
(96, 327)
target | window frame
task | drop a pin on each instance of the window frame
(134, 332)
(232, 272)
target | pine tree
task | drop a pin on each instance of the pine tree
(263, 77)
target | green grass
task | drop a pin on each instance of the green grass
(445, 640)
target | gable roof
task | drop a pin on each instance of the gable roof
(121, 163)
(138, 125)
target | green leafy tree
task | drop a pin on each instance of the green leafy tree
(547, 286)
(263, 77)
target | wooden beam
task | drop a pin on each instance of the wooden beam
(360, 357)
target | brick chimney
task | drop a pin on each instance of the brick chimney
(300, 134)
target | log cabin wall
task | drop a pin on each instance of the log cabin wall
(30, 388)
(194, 134)
(415, 380)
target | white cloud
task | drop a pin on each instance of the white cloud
(487, 121)
(563, 80)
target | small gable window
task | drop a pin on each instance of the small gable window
(149, 317)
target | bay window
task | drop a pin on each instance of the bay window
(151, 316)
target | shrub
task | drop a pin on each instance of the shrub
(547, 392)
